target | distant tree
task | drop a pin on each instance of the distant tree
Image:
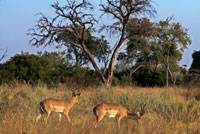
(195, 67)
(156, 45)
(59, 67)
(137, 51)
(25, 67)
(172, 40)
(50, 68)
(145, 77)
(193, 75)
(75, 19)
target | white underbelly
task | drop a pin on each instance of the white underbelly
(57, 108)
(111, 113)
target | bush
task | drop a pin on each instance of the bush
(144, 77)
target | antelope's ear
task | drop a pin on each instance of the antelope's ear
(73, 92)
(79, 94)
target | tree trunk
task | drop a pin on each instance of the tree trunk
(173, 78)
(167, 72)
(111, 64)
(108, 83)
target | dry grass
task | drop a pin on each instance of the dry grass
(168, 111)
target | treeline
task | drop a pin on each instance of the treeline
(54, 68)
(47, 68)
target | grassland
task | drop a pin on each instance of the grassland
(168, 111)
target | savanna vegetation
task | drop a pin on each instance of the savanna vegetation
(147, 71)
(174, 111)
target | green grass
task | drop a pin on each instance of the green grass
(166, 111)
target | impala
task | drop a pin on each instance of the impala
(57, 105)
(117, 111)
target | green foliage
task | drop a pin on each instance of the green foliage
(97, 46)
(125, 80)
(196, 61)
(193, 76)
(138, 49)
(83, 77)
(144, 77)
(155, 45)
(25, 67)
(46, 68)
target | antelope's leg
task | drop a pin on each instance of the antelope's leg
(38, 117)
(118, 121)
(60, 116)
(95, 122)
(47, 116)
(67, 116)
(98, 119)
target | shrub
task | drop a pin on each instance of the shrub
(144, 77)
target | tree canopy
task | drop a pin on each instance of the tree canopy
(155, 44)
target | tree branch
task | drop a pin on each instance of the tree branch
(3, 56)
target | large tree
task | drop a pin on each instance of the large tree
(77, 21)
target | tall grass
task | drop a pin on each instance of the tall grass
(166, 111)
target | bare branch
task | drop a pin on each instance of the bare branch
(133, 71)
(3, 56)
(69, 19)
(123, 10)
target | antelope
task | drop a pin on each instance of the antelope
(117, 111)
(57, 105)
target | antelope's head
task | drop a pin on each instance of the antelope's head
(75, 96)
(141, 113)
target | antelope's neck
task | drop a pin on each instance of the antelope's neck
(132, 115)
(71, 102)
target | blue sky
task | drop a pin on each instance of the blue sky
(16, 16)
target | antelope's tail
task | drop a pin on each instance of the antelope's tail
(95, 110)
(42, 109)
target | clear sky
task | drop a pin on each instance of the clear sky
(17, 16)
